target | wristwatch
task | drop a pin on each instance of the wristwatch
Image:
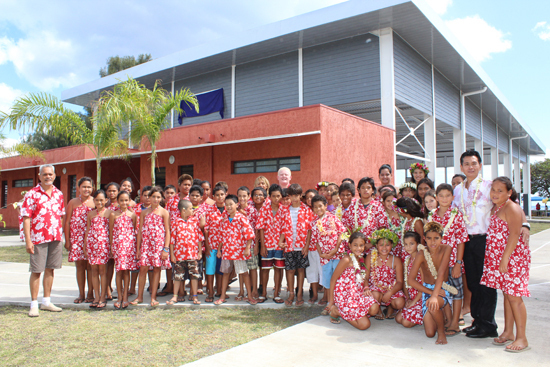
(459, 261)
(526, 225)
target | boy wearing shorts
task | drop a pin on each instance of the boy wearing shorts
(214, 217)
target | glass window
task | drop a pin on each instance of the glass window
(266, 165)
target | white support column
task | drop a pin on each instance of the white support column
(233, 91)
(300, 78)
(457, 149)
(430, 146)
(494, 163)
(527, 183)
(172, 112)
(508, 161)
(517, 176)
(478, 145)
(387, 81)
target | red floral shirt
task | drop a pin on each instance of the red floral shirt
(325, 232)
(186, 237)
(305, 217)
(214, 225)
(356, 215)
(273, 224)
(45, 213)
(236, 234)
(455, 234)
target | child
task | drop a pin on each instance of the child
(349, 286)
(270, 224)
(326, 235)
(408, 190)
(430, 202)
(458, 179)
(169, 192)
(250, 212)
(207, 190)
(295, 235)
(199, 212)
(393, 219)
(262, 181)
(285, 201)
(454, 236)
(322, 189)
(385, 281)
(423, 187)
(308, 196)
(409, 209)
(97, 247)
(331, 189)
(507, 263)
(185, 251)
(145, 203)
(112, 189)
(235, 248)
(418, 171)
(346, 195)
(75, 226)
(185, 182)
(122, 232)
(433, 261)
(336, 201)
(214, 217)
(128, 186)
(367, 214)
(153, 244)
(411, 314)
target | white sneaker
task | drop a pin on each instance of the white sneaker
(51, 307)
(33, 312)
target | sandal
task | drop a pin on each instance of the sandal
(261, 299)
(379, 316)
(322, 303)
(136, 302)
(171, 301)
(239, 298)
(461, 322)
(251, 301)
(220, 301)
(125, 305)
(325, 312)
(88, 299)
(181, 299)
(163, 293)
(451, 333)
(209, 299)
(78, 300)
(196, 300)
(101, 305)
(117, 305)
(334, 320)
(94, 304)
(299, 303)
(278, 300)
(154, 303)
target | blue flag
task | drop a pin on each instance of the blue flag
(209, 102)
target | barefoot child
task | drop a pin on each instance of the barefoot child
(385, 273)
(270, 222)
(454, 235)
(295, 235)
(75, 226)
(122, 232)
(433, 261)
(235, 247)
(349, 287)
(411, 314)
(97, 247)
(247, 208)
(153, 245)
(186, 250)
(507, 263)
(326, 235)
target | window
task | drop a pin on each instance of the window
(160, 176)
(266, 165)
(4, 194)
(72, 186)
(23, 183)
(186, 170)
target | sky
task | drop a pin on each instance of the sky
(55, 45)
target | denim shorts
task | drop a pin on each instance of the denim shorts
(327, 271)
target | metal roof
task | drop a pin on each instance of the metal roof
(413, 20)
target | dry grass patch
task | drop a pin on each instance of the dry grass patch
(18, 254)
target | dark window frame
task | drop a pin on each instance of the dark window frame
(186, 169)
(257, 164)
(26, 182)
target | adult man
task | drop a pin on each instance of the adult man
(472, 198)
(284, 176)
(43, 211)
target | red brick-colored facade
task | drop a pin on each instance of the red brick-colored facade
(331, 145)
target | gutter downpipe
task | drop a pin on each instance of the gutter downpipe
(463, 115)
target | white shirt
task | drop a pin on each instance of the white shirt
(477, 223)
(294, 217)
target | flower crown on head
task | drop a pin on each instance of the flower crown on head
(421, 166)
(323, 184)
(410, 185)
(384, 233)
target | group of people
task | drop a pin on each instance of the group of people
(418, 254)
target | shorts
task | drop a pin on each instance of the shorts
(274, 259)
(313, 271)
(295, 260)
(186, 269)
(253, 262)
(48, 255)
(239, 265)
(457, 283)
(327, 271)
(211, 262)
(425, 296)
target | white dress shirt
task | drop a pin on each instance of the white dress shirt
(476, 217)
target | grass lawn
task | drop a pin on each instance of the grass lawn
(18, 254)
(138, 337)
(539, 227)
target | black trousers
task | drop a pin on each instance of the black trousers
(484, 299)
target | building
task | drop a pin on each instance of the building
(335, 92)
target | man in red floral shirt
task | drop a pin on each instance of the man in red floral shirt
(43, 211)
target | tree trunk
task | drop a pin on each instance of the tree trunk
(153, 159)
(98, 177)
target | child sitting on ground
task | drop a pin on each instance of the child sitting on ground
(185, 250)
(433, 261)
(349, 289)
(235, 247)
(411, 314)
(385, 281)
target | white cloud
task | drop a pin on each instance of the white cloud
(7, 96)
(439, 6)
(479, 38)
(542, 30)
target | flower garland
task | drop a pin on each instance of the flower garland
(406, 270)
(449, 288)
(321, 229)
(348, 234)
(474, 201)
(339, 212)
(384, 233)
(454, 213)
(410, 185)
(360, 272)
(373, 266)
(421, 166)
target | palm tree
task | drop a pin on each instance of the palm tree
(23, 149)
(44, 113)
(147, 109)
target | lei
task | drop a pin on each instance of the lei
(404, 228)
(373, 266)
(474, 201)
(339, 212)
(322, 229)
(421, 166)
(360, 272)
(404, 185)
(433, 271)
(347, 235)
(454, 213)
(384, 234)
(406, 270)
